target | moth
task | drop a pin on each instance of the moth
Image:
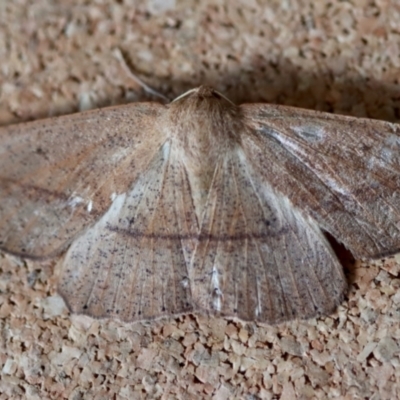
(200, 206)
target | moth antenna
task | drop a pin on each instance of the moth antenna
(195, 90)
(184, 95)
(120, 57)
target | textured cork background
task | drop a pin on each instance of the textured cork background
(58, 57)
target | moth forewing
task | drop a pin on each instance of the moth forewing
(342, 171)
(59, 175)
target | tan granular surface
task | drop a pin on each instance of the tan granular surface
(60, 56)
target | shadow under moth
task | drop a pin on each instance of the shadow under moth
(200, 206)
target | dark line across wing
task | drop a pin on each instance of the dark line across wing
(37, 193)
(210, 237)
(34, 192)
(195, 236)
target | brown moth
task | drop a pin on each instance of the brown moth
(200, 205)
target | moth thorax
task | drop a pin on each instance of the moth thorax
(205, 141)
(204, 130)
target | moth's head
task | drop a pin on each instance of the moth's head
(203, 101)
(201, 95)
(202, 107)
